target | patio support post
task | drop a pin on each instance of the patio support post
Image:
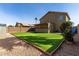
(49, 27)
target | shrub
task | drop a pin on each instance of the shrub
(66, 30)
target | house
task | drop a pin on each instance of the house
(21, 25)
(10, 26)
(51, 21)
(2, 28)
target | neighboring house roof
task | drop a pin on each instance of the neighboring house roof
(10, 26)
(2, 24)
(54, 12)
(21, 24)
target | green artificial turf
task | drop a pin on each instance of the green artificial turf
(45, 41)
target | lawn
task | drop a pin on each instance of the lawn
(46, 42)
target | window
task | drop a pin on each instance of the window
(61, 17)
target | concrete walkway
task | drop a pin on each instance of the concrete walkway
(11, 46)
(67, 49)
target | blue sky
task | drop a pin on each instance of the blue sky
(11, 13)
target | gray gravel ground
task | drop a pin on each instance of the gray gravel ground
(68, 49)
(11, 46)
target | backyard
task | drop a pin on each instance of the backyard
(44, 41)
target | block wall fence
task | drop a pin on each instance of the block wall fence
(17, 29)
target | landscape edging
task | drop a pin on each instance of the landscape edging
(57, 48)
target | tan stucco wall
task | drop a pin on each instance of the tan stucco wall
(67, 19)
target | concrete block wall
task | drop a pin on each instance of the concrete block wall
(17, 29)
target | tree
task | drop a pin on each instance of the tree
(66, 25)
(36, 19)
(66, 30)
